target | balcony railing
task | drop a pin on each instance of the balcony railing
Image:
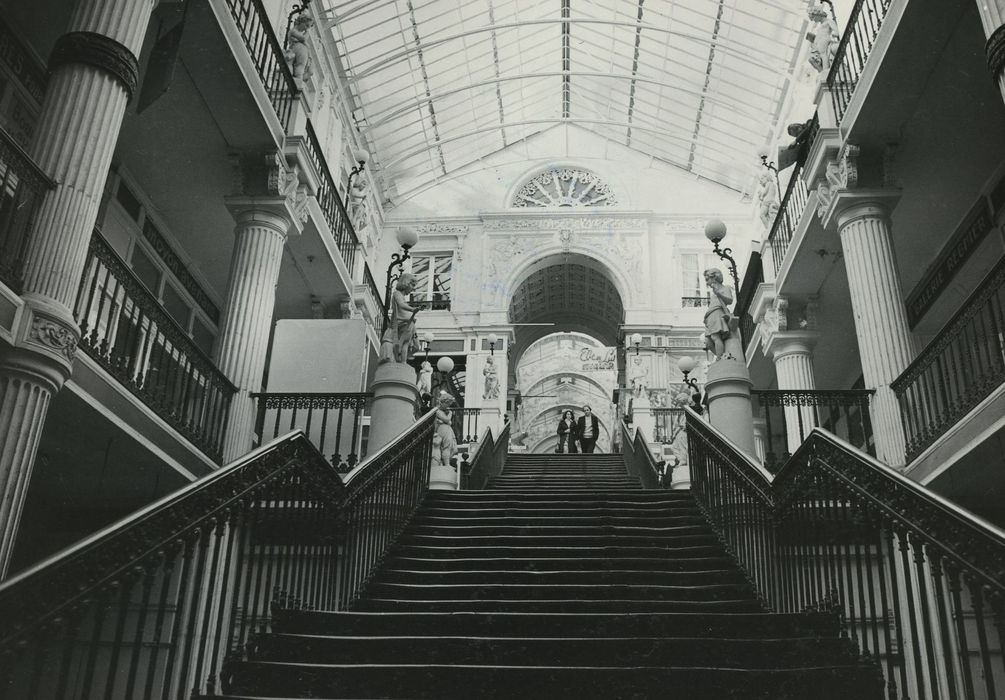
(791, 208)
(124, 328)
(915, 582)
(843, 413)
(154, 605)
(266, 52)
(745, 297)
(440, 301)
(332, 422)
(853, 51)
(378, 299)
(488, 461)
(694, 302)
(960, 368)
(24, 185)
(331, 203)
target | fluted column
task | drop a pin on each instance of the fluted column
(247, 317)
(993, 18)
(792, 352)
(93, 73)
(885, 343)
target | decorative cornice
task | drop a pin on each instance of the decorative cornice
(995, 51)
(591, 222)
(438, 228)
(101, 52)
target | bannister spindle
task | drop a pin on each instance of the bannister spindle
(928, 637)
(977, 605)
(941, 600)
(912, 615)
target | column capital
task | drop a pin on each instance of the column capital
(846, 206)
(101, 52)
(785, 343)
(45, 343)
(267, 183)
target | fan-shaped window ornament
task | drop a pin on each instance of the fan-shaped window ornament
(565, 187)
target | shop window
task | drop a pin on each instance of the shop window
(433, 280)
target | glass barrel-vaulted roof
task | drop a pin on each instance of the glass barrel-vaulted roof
(439, 84)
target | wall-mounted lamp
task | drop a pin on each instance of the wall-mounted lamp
(361, 156)
(636, 340)
(770, 165)
(407, 238)
(492, 340)
(686, 365)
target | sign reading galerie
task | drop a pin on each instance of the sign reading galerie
(598, 359)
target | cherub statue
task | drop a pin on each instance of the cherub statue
(297, 54)
(767, 198)
(444, 443)
(717, 317)
(424, 383)
(823, 39)
(491, 380)
(399, 338)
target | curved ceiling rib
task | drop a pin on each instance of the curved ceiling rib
(441, 84)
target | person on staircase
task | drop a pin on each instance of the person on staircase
(588, 430)
(567, 435)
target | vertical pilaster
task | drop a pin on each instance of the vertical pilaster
(884, 338)
(93, 73)
(792, 352)
(260, 235)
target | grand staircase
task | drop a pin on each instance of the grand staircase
(563, 579)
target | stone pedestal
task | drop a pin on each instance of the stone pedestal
(884, 338)
(727, 386)
(443, 477)
(394, 400)
(792, 352)
(681, 479)
(93, 73)
(247, 315)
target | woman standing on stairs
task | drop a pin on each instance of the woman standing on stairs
(568, 433)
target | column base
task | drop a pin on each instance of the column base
(394, 400)
(727, 386)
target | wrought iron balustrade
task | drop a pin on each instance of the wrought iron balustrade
(792, 206)
(125, 329)
(669, 424)
(853, 51)
(331, 203)
(438, 301)
(465, 424)
(961, 367)
(266, 52)
(488, 461)
(753, 276)
(22, 187)
(843, 413)
(917, 583)
(154, 605)
(694, 302)
(332, 422)
(377, 296)
(639, 459)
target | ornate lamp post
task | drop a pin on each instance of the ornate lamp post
(361, 156)
(406, 238)
(636, 341)
(715, 231)
(686, 365)
(492, 340)
(770, 165)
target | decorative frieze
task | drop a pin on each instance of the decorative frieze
(577, 223)
(841, 174)
(438, 228)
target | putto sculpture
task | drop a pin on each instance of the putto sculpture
(767, 198)
(491, 380)
(398, 340)
(719, 322)
(297, 54)
(444, 443)
(823, 39)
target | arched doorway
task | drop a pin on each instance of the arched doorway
(567, 313)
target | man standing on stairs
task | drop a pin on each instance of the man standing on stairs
(589, 429)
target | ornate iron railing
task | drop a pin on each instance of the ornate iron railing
(440, 301)
(753, 276)
(267, 54)
(332, 422)
(379, 321)
(488, 461)
(960, 368)
(792, 206)
(465, 423)
(853, 51)
(153, 605)
(22, 187)
(694, 302)
(790, 415)
(125, 329)
(330, 202)
(917, 581)
(639, 460)
(669, 424)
